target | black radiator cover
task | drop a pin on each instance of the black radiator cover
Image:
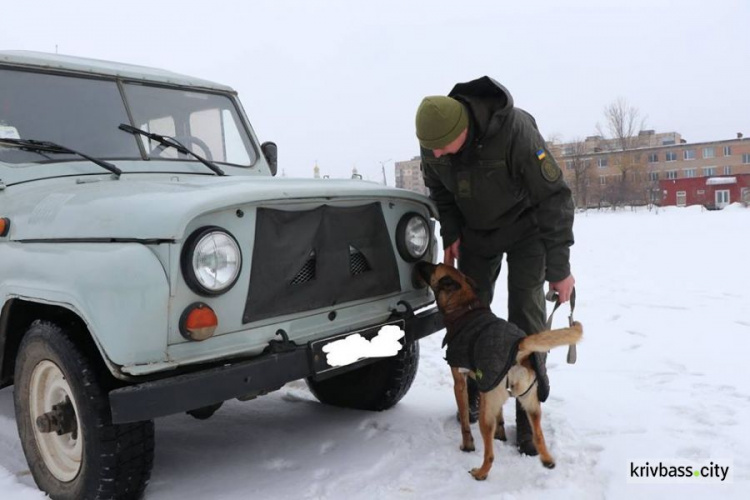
(284, 242)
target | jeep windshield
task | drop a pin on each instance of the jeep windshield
(84, 113)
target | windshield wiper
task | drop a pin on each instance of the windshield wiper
(171, 142)
(51, 147)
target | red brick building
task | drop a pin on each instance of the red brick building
(711, 192)
(600, 174)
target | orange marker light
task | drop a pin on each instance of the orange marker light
(198, 322)
(4, 226)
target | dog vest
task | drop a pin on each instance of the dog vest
(485, 344)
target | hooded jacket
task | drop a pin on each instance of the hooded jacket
(503, 181)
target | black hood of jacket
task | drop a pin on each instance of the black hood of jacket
(486, 98)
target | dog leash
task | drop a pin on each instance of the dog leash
(552, 296)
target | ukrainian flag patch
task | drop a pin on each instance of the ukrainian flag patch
(541, 154)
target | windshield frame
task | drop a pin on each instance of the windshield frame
(243, 126)
(231, 96)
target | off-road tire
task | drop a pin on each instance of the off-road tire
(116, 460)
(375, 387)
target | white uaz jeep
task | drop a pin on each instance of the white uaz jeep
(150, 264)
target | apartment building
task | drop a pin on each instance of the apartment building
(409, 175)
(599, 173)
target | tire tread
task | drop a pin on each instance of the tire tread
(375, 387)
(125, 452)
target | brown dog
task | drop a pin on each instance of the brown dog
(512, 375)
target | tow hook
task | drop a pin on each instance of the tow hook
(279, 346)
(407, 313)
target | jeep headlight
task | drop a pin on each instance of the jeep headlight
(211, 261)
(413, 237)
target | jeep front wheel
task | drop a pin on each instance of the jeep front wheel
(62, 412)
(377, 386)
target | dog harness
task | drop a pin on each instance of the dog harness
(485, 344)
(519, 396)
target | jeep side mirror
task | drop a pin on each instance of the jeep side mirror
(271, 152)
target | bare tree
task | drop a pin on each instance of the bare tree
(623, 122)
(554, 138)
(576, 160)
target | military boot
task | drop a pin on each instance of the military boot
(473, 390)
(539, 363)
(524, 436)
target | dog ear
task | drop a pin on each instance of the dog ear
(473, 284)
(448, 283)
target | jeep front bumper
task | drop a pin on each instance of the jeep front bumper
(233, 379)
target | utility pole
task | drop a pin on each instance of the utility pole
(382, 167)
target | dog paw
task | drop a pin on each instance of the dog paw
(478, 474)
(467, 447)
(550, 464)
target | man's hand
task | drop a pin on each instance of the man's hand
(451, 253)
(563, 288)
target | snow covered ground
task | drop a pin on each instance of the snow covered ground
(662, 374)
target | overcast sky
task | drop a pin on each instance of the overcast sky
(338, 82)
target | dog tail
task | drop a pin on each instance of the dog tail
(546, 341)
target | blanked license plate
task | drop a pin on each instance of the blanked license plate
(320, 358)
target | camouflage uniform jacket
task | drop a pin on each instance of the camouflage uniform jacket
(503, 181)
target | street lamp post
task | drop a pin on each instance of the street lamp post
(382, 167)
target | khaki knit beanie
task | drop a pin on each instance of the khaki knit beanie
(440, 120)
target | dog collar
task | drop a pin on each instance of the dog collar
(455, 322)
(455, 319)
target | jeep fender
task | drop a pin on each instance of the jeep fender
(119, 290)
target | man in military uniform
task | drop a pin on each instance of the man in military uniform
(499, 192)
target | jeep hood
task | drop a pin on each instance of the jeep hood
(147, 207)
